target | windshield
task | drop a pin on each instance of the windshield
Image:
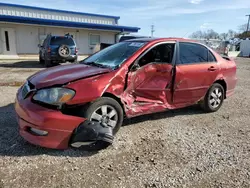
(113, 56)
(62, 40)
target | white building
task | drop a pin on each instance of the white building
(22, 28)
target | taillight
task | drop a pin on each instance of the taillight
(49, 50)
(76, 50)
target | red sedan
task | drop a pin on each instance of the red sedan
(127, 79)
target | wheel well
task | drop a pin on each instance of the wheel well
(224, 85)
(115, 98)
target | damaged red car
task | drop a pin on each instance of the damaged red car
(127, 79)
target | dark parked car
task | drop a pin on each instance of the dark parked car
(58, 49)
(128, 79)
(129, 37)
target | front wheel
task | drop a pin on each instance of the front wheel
(107, 111)
(41, 61)
(214, 98)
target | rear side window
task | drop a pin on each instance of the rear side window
(62, 40)
(191, 53)
(211, 57)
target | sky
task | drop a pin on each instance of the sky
(171, 18)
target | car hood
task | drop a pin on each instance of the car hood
(63, 74)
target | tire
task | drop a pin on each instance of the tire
(41, 61)
(48, 63)
(64, 51)
(74, 62)
(111, 105)
(214, 98)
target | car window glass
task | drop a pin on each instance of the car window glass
(162, 53)
(211, 57)
(191, 53)
(62, 40)
(114, 55)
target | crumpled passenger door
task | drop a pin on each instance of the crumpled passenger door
(149, 89)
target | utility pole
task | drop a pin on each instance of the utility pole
(248, 23)
(152, 30)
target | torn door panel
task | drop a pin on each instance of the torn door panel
(148, 90)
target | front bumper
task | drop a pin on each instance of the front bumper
(59, 126)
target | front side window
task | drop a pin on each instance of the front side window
(162, 53)
(94, 39)
(114, 55)
(191, 53)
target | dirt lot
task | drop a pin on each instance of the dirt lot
(181, 148)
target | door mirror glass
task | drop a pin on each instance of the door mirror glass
(135, 67)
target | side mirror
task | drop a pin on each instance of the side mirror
(135, 67)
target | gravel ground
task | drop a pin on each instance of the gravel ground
(181, 148)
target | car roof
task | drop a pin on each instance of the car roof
(161, 40)
(61, 36)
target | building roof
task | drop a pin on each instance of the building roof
(10, 18)
(48, 22)
(59, 11)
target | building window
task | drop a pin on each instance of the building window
(7, 40)
(94, 39)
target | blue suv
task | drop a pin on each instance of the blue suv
(58, 49)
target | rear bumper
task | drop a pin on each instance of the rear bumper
(59, 58)
(59, 126)
(231, 87)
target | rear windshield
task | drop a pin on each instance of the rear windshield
(62, 40)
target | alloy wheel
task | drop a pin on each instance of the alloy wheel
(106, 115)
(216, 97)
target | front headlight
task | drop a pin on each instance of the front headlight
(54, 96)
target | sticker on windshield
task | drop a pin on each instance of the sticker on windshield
(136, 44)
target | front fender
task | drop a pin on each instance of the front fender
(90, 89)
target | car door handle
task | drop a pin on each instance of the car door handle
(212, 68)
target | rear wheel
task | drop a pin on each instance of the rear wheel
(48, 63)
(75, 61)
(214, 98)
(107, 111)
